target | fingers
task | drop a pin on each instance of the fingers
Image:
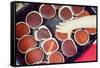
(60, 28)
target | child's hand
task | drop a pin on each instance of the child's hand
(83, 22)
